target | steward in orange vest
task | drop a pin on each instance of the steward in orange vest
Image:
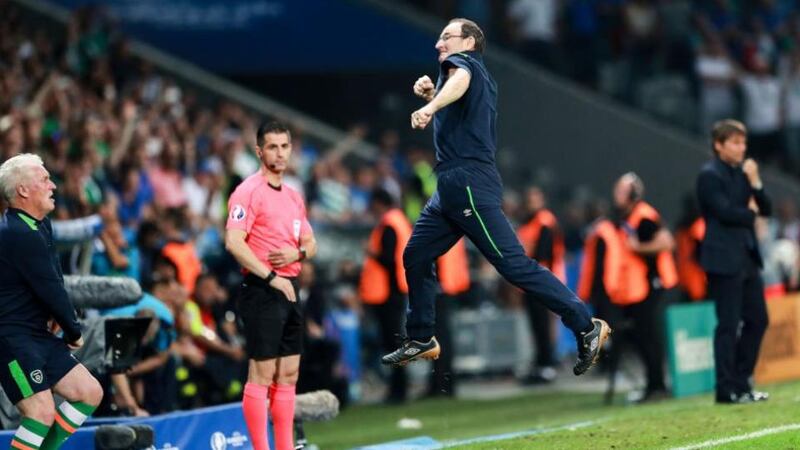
(180, 252)
(647, 262)
(646, 269)
(452, 269)
(543, 241)
(383, 273)
(602, 258)
(691, 274)
(383, 285)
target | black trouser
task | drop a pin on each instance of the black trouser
(540, 321)
(641, 326)
(390, 317)
(442, 380)
(738, 299)
(467, 202)
(647, 335)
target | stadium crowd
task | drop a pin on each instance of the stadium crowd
(157, 161)
(703, 59)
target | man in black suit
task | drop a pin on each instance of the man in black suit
(731, 196)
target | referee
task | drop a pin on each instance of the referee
(268, 234)
(34, 363)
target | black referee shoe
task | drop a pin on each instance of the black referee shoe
(590, 345)
(412, 350)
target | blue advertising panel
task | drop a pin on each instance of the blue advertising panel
(246, 37)
(214, 428)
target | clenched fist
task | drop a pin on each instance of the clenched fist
(424, 88)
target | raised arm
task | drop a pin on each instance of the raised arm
(454, 88)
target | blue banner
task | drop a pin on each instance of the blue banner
(214, 428)
(246, 37)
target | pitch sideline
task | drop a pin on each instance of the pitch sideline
(741, 437)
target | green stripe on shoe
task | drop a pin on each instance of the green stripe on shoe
(19, 378)
(483, 225)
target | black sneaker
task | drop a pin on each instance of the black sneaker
(590, 344)
(756, 396)
(733, 398)
(412, 350)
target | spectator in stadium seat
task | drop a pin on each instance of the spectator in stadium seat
(791, 110)
(717, 76)
(761, 91)
(219, 377)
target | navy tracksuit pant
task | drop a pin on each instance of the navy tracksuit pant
(468, 202)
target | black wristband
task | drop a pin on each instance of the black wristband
(303, 254)
(270, 277)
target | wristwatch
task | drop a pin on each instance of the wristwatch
(270, 277)
(303, 254)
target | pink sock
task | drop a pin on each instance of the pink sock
(282, 410)
(254, 406)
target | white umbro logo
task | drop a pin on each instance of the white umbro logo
(411, 351)
(467, 212)
(593, 345)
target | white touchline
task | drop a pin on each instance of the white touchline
(742, 437)
(502, 437)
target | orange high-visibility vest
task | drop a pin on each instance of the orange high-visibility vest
(603, 230)
(529, 234)
(453, 269)
(633, 285)
(184, 256)
(691, 274)
(374, 286)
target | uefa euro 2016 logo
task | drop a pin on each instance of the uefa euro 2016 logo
(238, 213)
(218, 441)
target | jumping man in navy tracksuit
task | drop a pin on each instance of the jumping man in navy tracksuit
(463, 107)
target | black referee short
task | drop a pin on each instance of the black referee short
(32, 363)
(273, 326)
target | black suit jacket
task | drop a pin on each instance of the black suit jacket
(724, 192)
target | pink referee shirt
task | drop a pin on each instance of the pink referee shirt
(272, 218)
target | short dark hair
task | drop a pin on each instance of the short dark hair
(724, 129)
(271, 127)
(471, 29)
(382, 197)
